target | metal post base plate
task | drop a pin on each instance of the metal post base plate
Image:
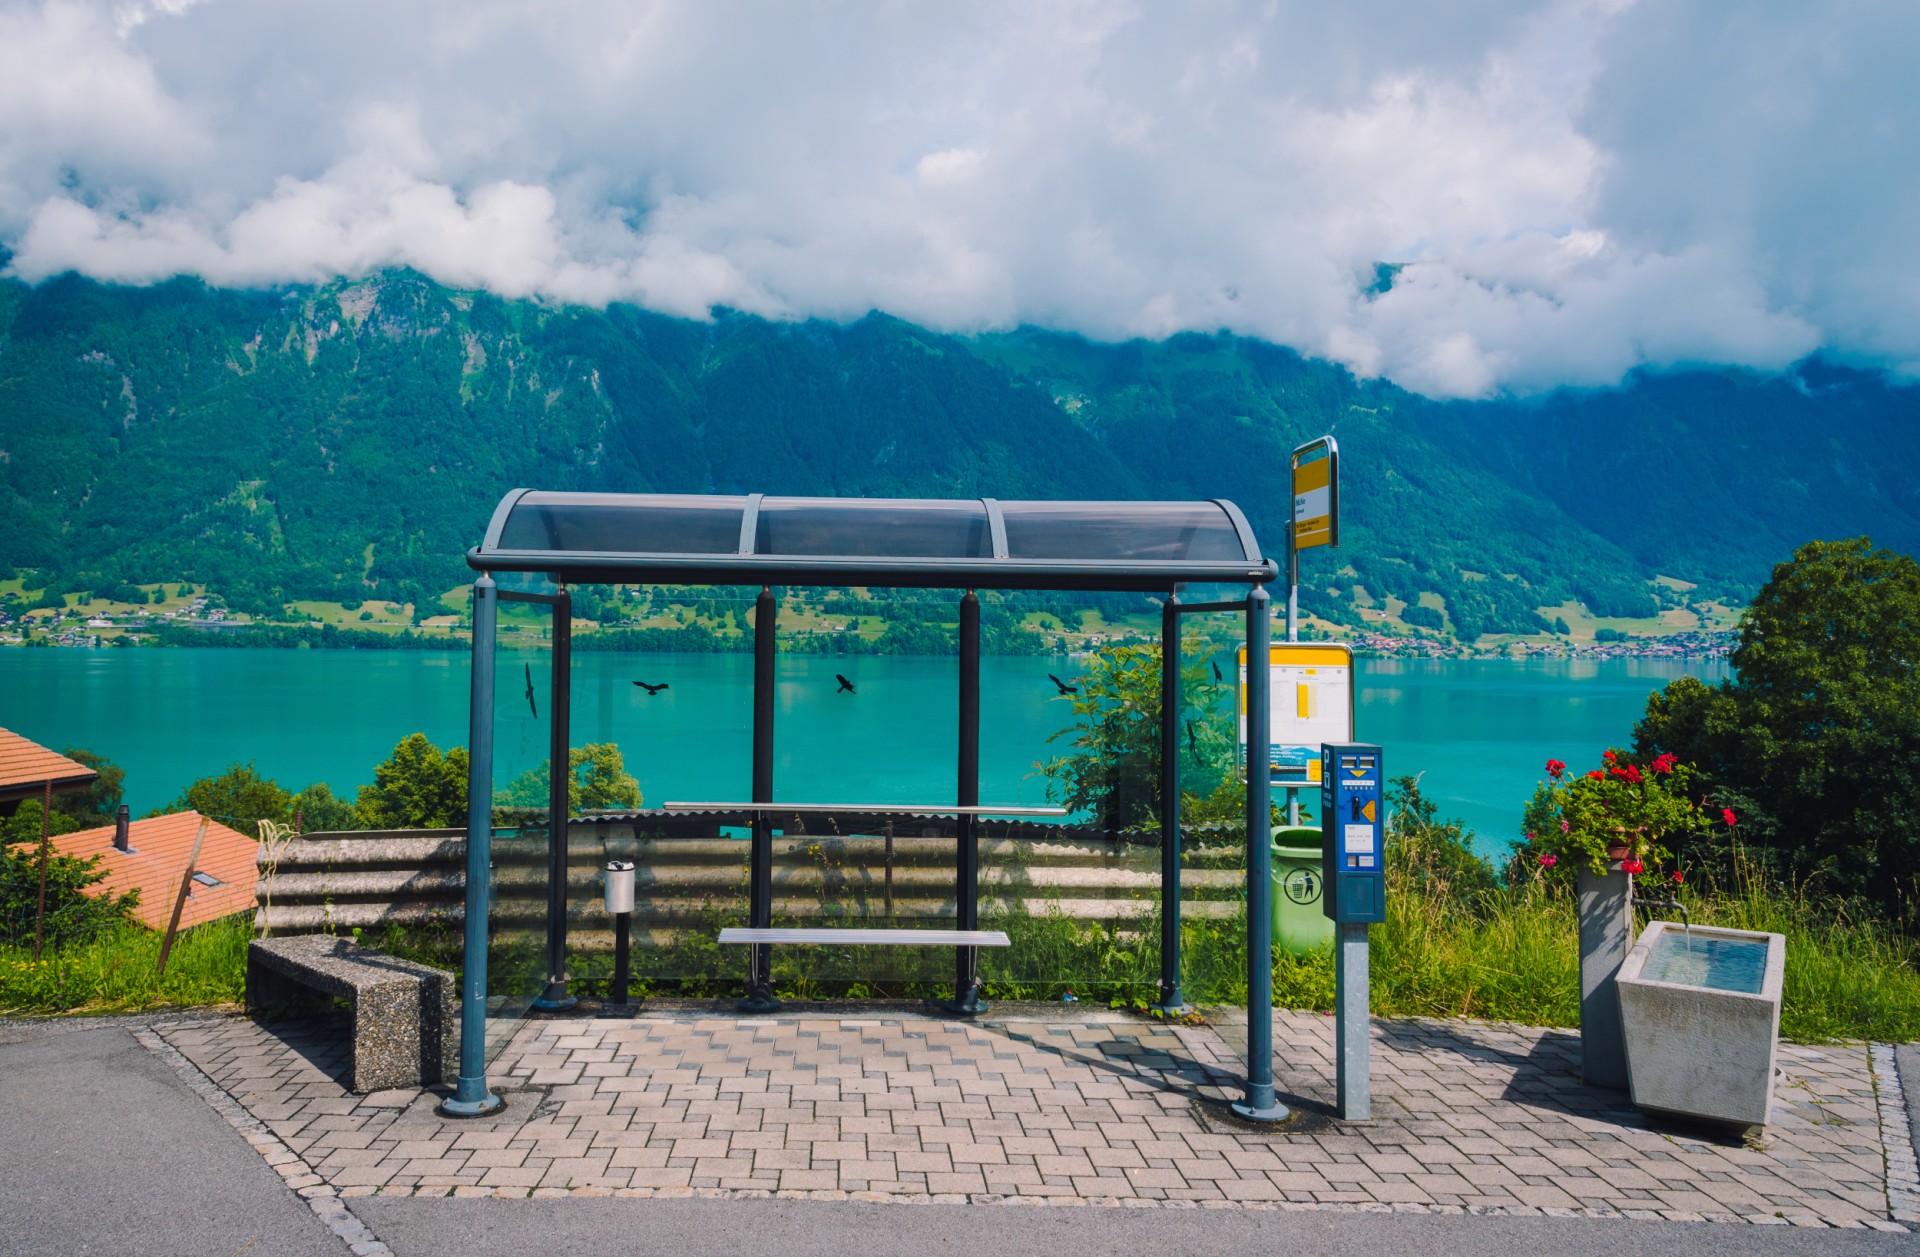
(1175, 1007)
(757, 1002)
(1276, 1112)
(551, 1002)
(969, 1005)
(485, 1107)
(618, 1011)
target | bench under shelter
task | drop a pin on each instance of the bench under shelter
(539, 543)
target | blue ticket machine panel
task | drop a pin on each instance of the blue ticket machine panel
(1353, 813)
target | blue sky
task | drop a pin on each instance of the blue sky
(1576, 188)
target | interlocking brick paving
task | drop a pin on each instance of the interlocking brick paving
(1107, 1109)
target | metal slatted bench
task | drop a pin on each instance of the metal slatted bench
(966, 895)
(886, 938)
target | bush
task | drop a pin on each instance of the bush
(71, 916)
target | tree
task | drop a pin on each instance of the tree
(239, 798)
(1113, 770)
(319, 810)
(98, 803)
(597, 778)
(417, 787)
(1815, 743)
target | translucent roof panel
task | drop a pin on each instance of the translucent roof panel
(977, 543)
(902, 528)
(1137, 531)
(623, 523)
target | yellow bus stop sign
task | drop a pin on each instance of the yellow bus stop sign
(1316, 494)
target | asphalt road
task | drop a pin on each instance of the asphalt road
(802, 1228)
(104, 1149)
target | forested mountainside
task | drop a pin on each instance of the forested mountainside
(349, 441)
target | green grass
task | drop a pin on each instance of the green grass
(1456, 943)
(116, 971)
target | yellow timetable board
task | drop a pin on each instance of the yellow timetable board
(1311, 702)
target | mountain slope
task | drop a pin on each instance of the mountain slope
(350, 440)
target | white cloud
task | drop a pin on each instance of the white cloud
(1577, 187)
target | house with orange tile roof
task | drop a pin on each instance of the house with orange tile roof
(27, 768)
(150, 856)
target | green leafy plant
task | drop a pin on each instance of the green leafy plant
(1618, 811)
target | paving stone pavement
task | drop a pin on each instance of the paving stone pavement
(1469, 1117)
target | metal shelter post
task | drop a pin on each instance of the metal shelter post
(966, 1000)
(554, 997)
(1172, 999)
(471, 1096)
(759, 997)
(1260, 1104)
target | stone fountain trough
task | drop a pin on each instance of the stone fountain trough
(1700, 1013)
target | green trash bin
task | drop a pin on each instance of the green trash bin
(1300, 923)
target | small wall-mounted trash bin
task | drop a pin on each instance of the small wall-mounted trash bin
(1300, 924)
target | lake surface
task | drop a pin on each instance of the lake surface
(1479, 730)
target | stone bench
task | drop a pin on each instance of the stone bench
(406, 1023)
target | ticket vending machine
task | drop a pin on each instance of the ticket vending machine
(1353, 813)
(1353, 852)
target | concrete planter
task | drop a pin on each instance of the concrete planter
(1700, 1012)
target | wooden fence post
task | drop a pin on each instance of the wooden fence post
(180, 900)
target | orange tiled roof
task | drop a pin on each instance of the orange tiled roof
(161, 845)
(25, 768)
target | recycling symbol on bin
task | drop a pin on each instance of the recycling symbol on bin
(1302, 886)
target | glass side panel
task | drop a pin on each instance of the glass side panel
(1718, 964)
(882, 528)
(624, 523)
(522, 733)
(1158, 531)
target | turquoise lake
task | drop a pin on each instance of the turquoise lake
(1479, 730)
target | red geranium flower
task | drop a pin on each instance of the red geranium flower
(1664, 763)
(1726, 814)
(1548, 861)
(1679, 878)
(1555, 767)
(1597, 775)
(1632, 774)
(1632, 866)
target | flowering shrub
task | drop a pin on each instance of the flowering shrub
(1620, 810)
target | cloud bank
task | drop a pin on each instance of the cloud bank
(1569, 188)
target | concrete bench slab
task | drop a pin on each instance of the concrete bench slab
(405, 1016)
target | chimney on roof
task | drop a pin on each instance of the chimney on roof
(120, 830)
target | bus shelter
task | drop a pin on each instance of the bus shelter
(539, 543)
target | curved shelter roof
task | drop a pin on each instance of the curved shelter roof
(979, 543)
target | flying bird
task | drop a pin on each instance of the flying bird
(1063, 686)
(530, 702)
(652, 689)
(846, 686)
(1217, 678)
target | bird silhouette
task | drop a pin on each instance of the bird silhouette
(652, 689)
(530, 702)
(1064, 687)
(1217, 678)
(846, 686)
(1193, 742)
